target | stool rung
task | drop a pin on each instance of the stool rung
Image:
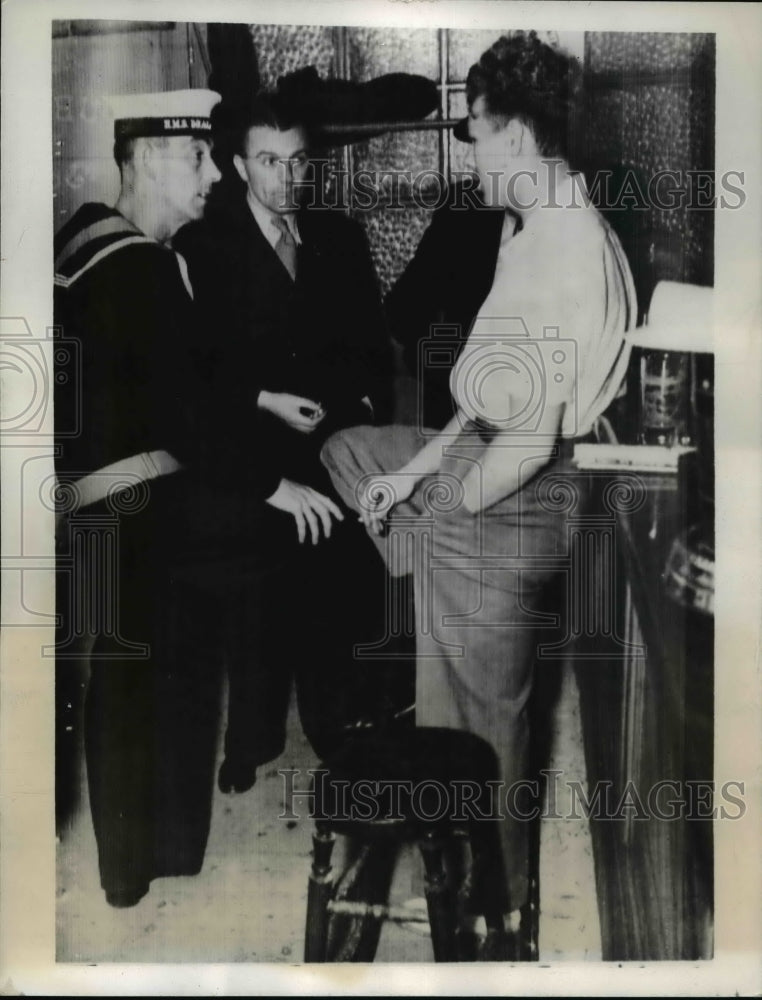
(397, 914)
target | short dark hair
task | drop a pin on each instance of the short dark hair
(270, 109)
(522, 77)
(124, 148)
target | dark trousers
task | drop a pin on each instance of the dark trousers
(152, 702)
(155, 578)
(301, 624)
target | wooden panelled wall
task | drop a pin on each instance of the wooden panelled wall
(93, 59)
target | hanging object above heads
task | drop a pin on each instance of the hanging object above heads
(344, 111)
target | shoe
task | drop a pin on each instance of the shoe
(469, 945)
(123, 898)
(470, 937)
(235, 776)
(500, 946)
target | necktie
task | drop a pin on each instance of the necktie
(286, 246)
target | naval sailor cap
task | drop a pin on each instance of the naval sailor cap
(167, 113)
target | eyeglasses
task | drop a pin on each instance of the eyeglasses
(271, 160)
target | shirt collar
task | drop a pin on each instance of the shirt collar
(266, 221)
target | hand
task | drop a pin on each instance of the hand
(366, 402)
(310, 508)
(380, 495)
(301, 414)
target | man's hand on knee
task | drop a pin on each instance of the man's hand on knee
(311, 510)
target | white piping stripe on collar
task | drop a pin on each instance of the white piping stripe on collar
(112, 225)
(183, 265)
(65, 282)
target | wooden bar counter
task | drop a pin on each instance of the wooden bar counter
(644, 666)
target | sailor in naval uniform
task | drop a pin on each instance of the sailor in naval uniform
(150, 710)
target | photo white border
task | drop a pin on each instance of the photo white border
(27, 835)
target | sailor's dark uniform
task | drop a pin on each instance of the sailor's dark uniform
(150, 721)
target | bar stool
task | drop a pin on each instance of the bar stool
(427, 785)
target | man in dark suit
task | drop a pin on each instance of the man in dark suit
(294, 348)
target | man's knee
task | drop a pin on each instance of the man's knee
(337, 448)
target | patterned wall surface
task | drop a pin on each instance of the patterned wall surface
(393, 235)
(650, 104)
(622, 52)
(411, 152)
(283, 48)
(374, 51)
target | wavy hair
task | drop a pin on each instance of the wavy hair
(520, 76)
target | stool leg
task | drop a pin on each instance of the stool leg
(529, 929)
(441, 911)
(530, 912)
(488, 878)
(318, 895)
